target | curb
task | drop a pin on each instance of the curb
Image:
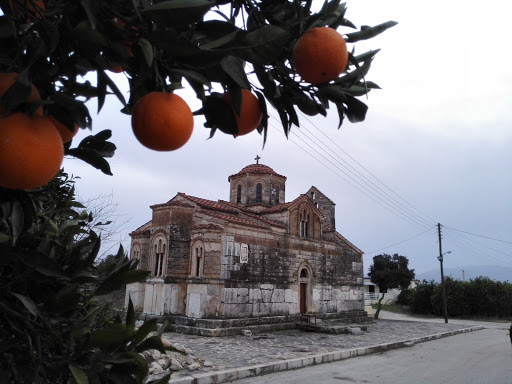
(232, 374)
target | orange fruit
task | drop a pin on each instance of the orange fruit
(7, 79)
(35, 7)
(31, 151)
(65, 134)
(320, 55)
(162, 121)
(29, 10)
(250, 112)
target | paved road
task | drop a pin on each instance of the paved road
(483, 357)
(280, 353)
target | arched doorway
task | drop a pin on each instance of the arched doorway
(304, 288)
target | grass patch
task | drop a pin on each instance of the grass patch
(390, 308)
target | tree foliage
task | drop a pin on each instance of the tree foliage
(209, 46)
(390, 272)
(478, 297)
(52, 328)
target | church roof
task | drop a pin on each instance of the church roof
(237, 220)
(206, 227)
(257, 169)
(214, 205)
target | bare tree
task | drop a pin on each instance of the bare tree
(104, 219)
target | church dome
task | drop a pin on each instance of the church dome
(257, 169)
(257, 185)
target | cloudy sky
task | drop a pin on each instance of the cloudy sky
(436, 146)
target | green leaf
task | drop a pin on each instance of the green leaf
(144, 330)
(133, 364)
(234, 67)
(354, 76)
(180, 4)
(370, 32)
(17, 220)
(192, 76)
(153, 342)
(118, 280)
(91, 157)
(178, 12)
(219, 115)
(78, 374)
(130, 315)
(112, 335)
(147, 51)
(356, 109)
(221, 41)
(114, 88)
(262, 46)
(28, 303)
(43, 264)
(101, 88)
(4, 237)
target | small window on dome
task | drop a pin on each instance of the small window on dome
(258, 193)
(239, 194)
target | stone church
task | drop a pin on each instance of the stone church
(254, 259)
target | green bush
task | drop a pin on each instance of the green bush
(405, 297)
(479, 297)
(52, 328)
(422, 297)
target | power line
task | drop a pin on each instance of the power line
(485, 237)
(390, 208)
(401, 242)
(432, 221)
(456, 238)
(370, 185)
(411, 218)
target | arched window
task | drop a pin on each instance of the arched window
(277, 195)
(258, 193)
(239, 194)
(304, 224)
(159, 258)
(135, 255)
(197, 260)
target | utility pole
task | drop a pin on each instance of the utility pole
(440, 258)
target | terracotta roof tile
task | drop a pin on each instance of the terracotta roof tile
(141, 228)
(237, 220)
(206, 227)
(209, 204)
(257, 169)
(172, 203)
(254, 214)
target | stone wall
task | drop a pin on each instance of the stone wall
(270, 300)
(274, 259)
(326, 206)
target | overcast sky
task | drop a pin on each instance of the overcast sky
(436, 146)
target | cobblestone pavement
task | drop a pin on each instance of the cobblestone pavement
(243, 351)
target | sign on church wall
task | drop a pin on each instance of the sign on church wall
(244, 253)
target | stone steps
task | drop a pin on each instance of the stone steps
(230, 331)
(329, 323)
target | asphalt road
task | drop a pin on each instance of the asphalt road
(480, 357)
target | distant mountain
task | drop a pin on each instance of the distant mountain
(497, 273)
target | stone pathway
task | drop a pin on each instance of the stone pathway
(227, 353)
